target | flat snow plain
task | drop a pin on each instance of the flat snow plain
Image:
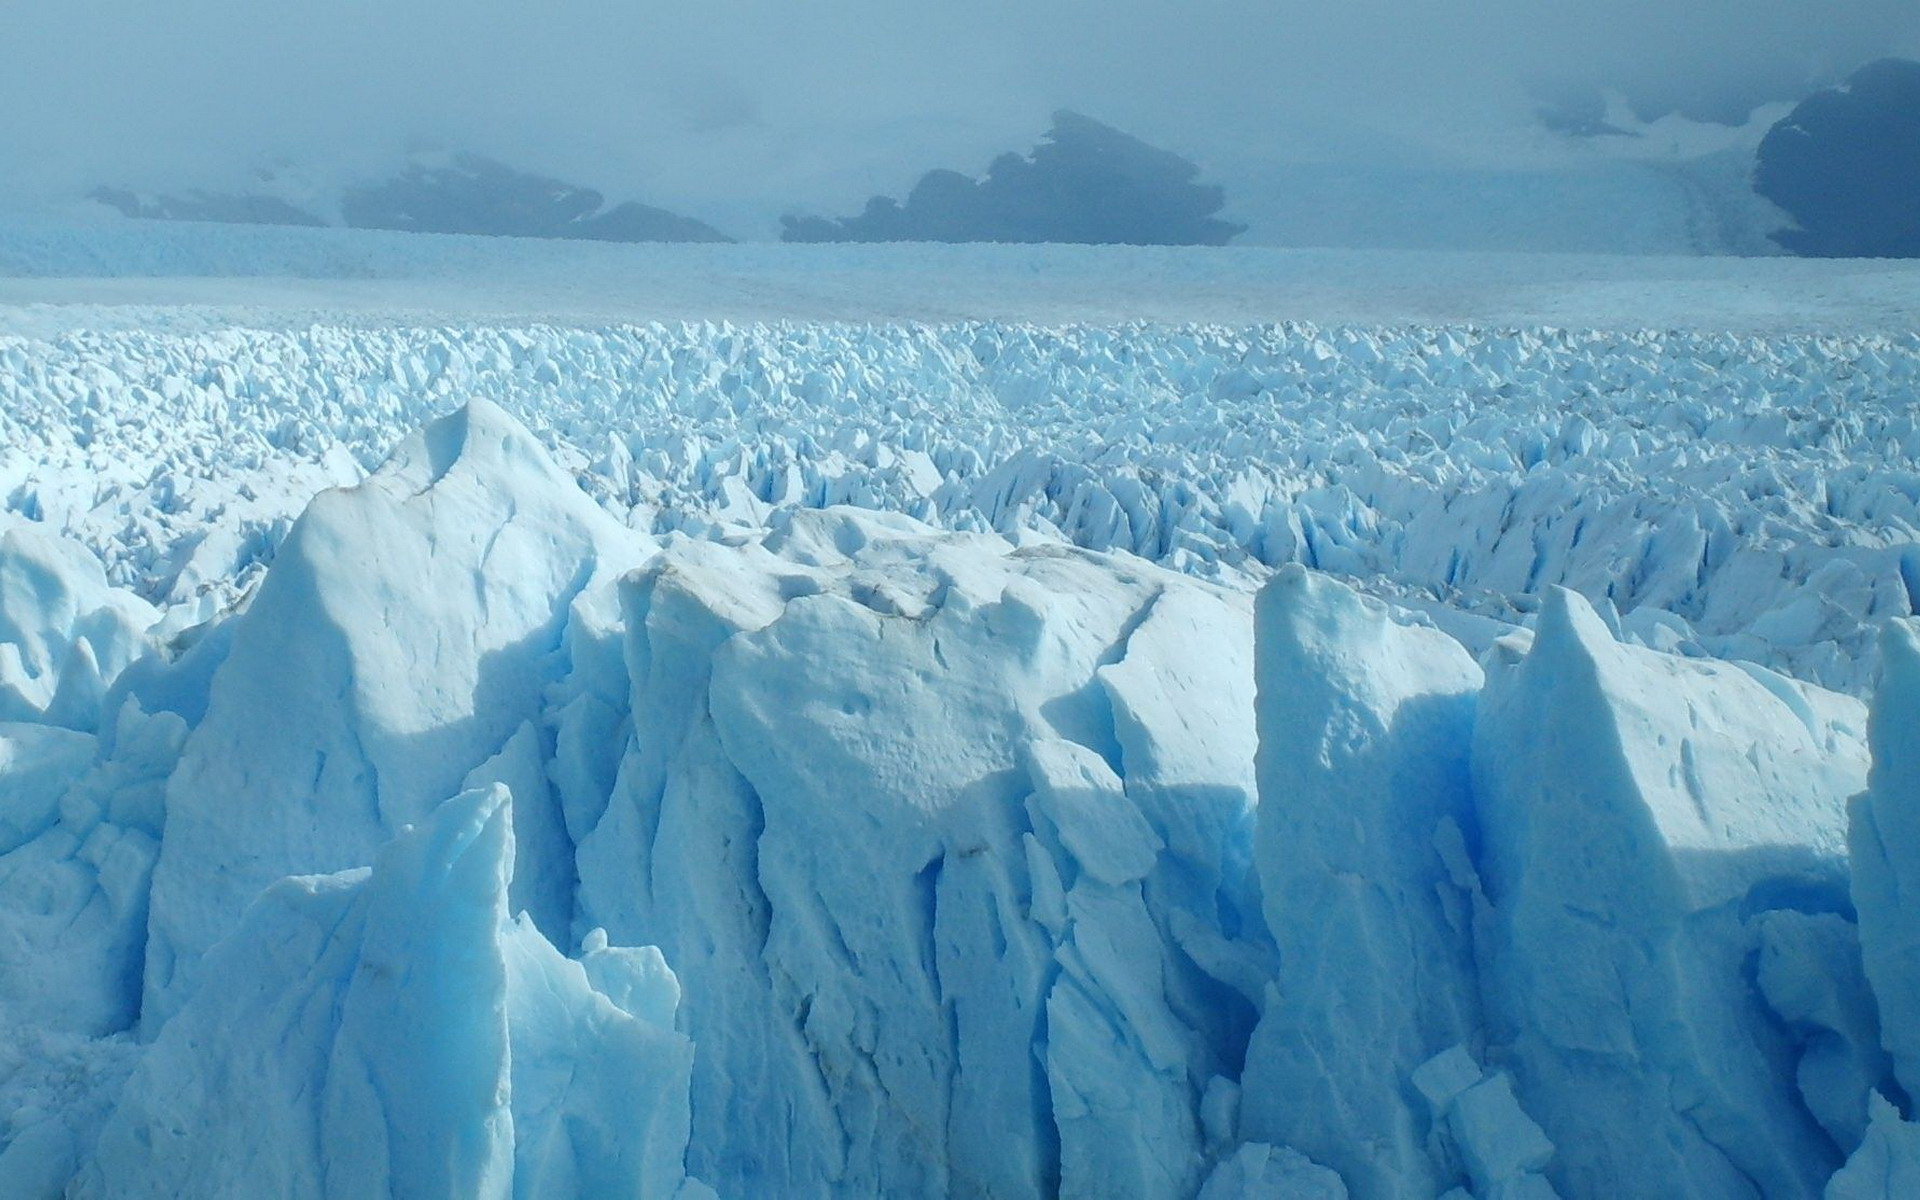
(985, 720)
(123, 274)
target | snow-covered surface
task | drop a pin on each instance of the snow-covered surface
(135, 274)
(470, 757)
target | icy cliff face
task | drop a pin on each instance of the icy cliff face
(490, 847)
(1365, 728)
(400, 642)
(946, 841)
(1649, 825)
(395, 1032)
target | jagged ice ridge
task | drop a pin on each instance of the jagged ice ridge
(1740, 497)
(958, 761)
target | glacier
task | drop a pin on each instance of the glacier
(975, 759)
(1731, 495)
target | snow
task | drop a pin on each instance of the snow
(64, 277)
(467, 758)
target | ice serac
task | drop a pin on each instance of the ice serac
(80, 826)
(1811, 974)
(64, 633)
(950, 838)
(80, 819)
(1736, 496)
(393, 1032)
(1366, 730)
(1257, 1169)
(880, 811)
(1885, 840)
(1498, 1146)
(1640, 816)
(886, 750)
(600, 1077)
(1887, 1164)
(402, 637)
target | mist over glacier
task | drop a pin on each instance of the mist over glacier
(741, 111)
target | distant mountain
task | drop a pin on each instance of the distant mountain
(471, 194)
(460, 193)
(221, 208)
(1845, 165)
(1086, 183)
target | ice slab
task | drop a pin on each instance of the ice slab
(1639, 812)
(393, 1031)
(900, 808)
(1885, 840)
(404, 635)
(1366, 728)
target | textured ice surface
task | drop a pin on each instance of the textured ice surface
(1639, 814)
(1885, 841)
(400, 642)
(1365, 728)
(131, 274)
(948, 914)
(64, 633)
(976, 759)
(1742, 497)
(396, 1033)
(1886, 852)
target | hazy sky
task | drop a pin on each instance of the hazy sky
(750, 106)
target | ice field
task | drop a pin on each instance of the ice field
(499, 721)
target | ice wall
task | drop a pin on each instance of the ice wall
(946, 895)
(1366, 725)
(953, 863)
(1642, 818)
(1885, 840)
(401, 640)
(1886, 851)
(395, 1032)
